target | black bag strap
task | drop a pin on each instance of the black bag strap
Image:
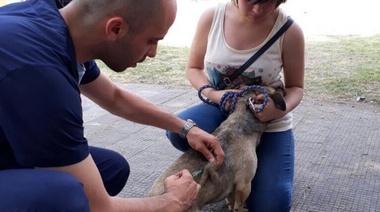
(226, 81)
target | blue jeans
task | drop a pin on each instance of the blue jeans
(46, 190)
(272, 185)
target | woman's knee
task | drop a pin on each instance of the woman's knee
(177, 141)
(272, 185)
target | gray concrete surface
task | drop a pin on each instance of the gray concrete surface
(337, 144)
(337, 149)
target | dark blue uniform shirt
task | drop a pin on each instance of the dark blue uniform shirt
(41, 121)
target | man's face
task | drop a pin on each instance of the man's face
(133, 48)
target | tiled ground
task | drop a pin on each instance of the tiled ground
(337, 150)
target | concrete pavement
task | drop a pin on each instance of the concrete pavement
(337, 143)
(337, 149)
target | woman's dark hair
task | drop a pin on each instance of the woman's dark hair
(278, 2)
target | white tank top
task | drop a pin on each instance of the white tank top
(222, 60)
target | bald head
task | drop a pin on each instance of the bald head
(136, 13)
(121, 33)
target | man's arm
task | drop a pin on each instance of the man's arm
(134, 108)
(125, 104)
(181, 191)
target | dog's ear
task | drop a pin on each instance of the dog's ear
(279, 101)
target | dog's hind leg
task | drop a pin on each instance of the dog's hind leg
(241, 194)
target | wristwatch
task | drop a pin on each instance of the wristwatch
(189, 124)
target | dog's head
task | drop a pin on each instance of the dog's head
(276, 94)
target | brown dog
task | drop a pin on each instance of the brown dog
(239, 136)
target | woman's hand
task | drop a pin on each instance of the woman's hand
(216, 97)
(269, 113)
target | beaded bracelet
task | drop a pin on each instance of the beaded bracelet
(208, 101)
(234, 96)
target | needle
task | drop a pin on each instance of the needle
(196, 173)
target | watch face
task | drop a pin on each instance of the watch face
(189, 124)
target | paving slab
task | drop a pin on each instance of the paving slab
(337, 149)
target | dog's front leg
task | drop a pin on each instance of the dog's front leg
(231, 201)
(241, 194)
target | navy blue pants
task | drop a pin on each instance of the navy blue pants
(272, 185)
(45, 190)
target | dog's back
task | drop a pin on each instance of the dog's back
(239, 135)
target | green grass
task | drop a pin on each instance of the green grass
(167, 68)
(343, 67)
(336, 68)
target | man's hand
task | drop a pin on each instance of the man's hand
(206, 144)
(182, 188)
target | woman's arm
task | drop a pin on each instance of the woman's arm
(195, 65)
(293, 57)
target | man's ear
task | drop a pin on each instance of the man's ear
(279, 101)
(116, 27)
